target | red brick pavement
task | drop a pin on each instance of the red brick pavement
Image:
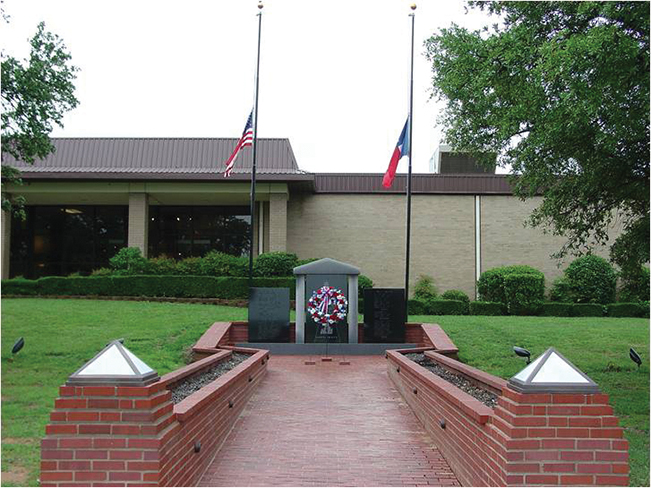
(328, 425)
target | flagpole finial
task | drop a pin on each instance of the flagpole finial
(260, 5)
(413, 6)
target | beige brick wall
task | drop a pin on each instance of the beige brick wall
(138, 221)
(505, 240)
(5, 244)
(368, 231)
(277, 222)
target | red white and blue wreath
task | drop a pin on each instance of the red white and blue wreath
(321, 300)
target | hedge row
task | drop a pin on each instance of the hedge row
(144, 286)
(434, 306)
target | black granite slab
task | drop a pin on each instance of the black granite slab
(384, 315)
(269, 315)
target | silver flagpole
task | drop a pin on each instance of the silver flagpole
(255, 150)
(411, 125)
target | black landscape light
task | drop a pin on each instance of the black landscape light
(522, 352)
(635, 357)
(21, 342)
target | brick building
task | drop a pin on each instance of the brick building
(168, 197)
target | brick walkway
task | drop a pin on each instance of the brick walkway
(328, 425)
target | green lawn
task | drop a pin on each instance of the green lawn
(60, 335)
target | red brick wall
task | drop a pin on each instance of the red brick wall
(119, 436)
(527, 439)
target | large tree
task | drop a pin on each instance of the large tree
(560, 92)
(36, 94)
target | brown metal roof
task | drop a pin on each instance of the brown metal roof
(420, 183)
(158, 156)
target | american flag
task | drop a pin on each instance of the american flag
(245, 140)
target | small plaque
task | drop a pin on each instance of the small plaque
(269, 315)
(384, 315)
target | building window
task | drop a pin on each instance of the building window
(60, 240)
(184, 231)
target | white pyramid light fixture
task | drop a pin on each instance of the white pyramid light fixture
(552, 373)
(114, 365)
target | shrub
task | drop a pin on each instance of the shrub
(128, 261)
(190, 266)
(216, 263)
(592, 280)
(435, 306)
(487, 308)
(490, 285)
(149, 286)
(363, 282)
(645, 309)
(625, 310)
(424, 288)
(19, 286)
(560, 291)
(102, 272)
(587, 310)
(301, 262)
(524, 293)
(416, 306)
(635, 285)
(455, 295)
(556, 309)
(275, 264)
(162, 266)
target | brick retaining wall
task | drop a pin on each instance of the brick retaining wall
(135, 436)
(527, 439)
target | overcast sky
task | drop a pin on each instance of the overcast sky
(334, 75)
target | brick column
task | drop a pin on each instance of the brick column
(560, 439)
(107, 434)
(277, 222)
(138, 221)
(5, 244)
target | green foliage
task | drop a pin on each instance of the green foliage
(144, 286)
(102, 272)
(424, 288)
(301, 262)
(416, 306)
(189, 266)
(561, 291)
(19, 286)
(456, 295)
(129, 261)
(216, 263)
(436, 306)
(625, 310)
(490, 285)
(275, 264)
(363, 283)
(556, 309)
(487, 308)
(162, 266)
(524, 293)
(587, 310)
(645, 309)
(592, 280)
(35, 95)
(635, 285)
(560, 92)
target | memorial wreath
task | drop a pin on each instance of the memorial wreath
(321, 299)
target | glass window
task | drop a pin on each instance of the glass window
(184, 231)
(59, 240)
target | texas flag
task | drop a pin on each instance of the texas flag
(402, 149)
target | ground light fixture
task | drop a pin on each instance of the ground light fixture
(552, 372)
(18, 345)
(114, 365)
(635, 357)
(522, 352)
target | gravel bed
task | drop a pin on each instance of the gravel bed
(189, 385)
(486, 397)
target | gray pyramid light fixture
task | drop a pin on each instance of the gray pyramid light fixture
(114, 365)
(552, 373)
